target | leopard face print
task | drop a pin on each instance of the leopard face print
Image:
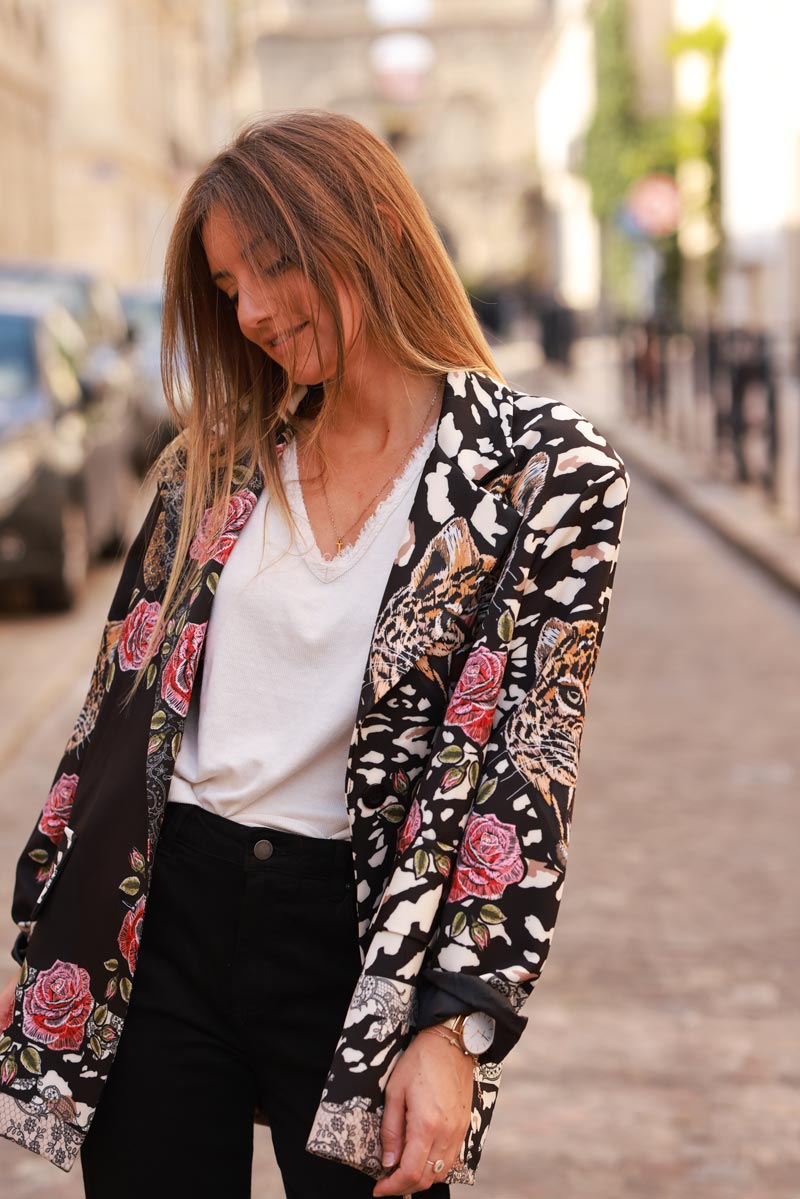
(155, 558)
(429, 618)
(88, 713)
(543, 734)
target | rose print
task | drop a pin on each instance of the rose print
(421, 654)
(55, 1009)
(410, 828)
(130, 934)
(205, 547)
(472, 705)
(135, 634)
(178, 676)
(58, 806)
(489, 859)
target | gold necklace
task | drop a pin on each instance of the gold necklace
(341, 536)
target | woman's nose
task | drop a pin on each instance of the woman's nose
(255, 310)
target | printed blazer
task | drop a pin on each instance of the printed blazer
(459, 782)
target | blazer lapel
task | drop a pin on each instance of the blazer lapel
(181, 657)
(208, 560)
(458, 529)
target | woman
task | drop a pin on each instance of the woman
(347, 963)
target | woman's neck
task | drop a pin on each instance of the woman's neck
(382, 420)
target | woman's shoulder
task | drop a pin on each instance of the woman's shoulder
(542, 424)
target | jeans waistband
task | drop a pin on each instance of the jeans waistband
(247, 845)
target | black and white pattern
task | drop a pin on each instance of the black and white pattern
(460, 776)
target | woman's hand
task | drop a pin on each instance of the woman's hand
(428, 1102)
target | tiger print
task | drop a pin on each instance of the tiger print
(88, 713)
(430, 616)
(543, 734)
(154, 560)
(170, 469)
(510, 556)
(522, 489)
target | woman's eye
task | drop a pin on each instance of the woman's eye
(278, 267)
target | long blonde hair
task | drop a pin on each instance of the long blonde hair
(331, 195)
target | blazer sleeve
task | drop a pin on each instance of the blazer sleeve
(38, 857)
(541, 636)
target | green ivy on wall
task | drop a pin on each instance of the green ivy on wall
(698, 133)
(622, 145)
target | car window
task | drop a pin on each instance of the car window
(62, 348)
(17, 357)
(67, 291)
(107, 314)
(144, 314)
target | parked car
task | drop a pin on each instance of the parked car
(142, 307)
(111, 358)
(66, 474)
(91, 299)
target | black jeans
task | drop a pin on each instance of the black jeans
(246, 968)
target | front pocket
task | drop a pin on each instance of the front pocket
(63, 850)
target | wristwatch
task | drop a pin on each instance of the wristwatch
(475, 1030)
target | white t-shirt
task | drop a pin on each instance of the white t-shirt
(268, 731)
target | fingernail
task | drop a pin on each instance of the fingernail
(389, 1158)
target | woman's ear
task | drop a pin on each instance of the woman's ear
(393, 221)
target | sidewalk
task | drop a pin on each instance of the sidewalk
(739, 515)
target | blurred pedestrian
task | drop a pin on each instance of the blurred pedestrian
(303, 854)
(557, 322)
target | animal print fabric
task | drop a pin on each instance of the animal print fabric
(459, 784)
(480, 860)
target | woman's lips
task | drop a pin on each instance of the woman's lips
(287, 336)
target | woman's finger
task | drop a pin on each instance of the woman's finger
(414, 1173)
(393, 1127)
(451, 1156)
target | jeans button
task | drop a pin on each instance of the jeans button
(263, 850)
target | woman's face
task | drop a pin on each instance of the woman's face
(274, 306)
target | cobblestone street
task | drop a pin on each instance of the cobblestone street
(662, 1055)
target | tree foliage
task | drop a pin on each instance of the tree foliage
(622, 144)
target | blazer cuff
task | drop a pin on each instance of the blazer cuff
(19, 948)
(441, 993)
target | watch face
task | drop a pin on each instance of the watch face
(478, 1032)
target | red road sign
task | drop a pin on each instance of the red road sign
(654, 204)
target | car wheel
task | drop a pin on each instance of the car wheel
(64, 589)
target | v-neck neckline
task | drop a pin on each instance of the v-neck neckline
(328, 568)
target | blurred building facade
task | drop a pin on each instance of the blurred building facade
(569, 254)
(26, 104)
(451, 84)
(756, 232)
(112, 106)
(137, 114)
(761, 165)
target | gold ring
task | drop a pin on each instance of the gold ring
(438, 1165)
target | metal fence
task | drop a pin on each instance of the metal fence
(730, 396)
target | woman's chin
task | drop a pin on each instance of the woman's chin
(306, 377)
(310, 373)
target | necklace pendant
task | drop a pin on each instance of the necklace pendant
(339, 546)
